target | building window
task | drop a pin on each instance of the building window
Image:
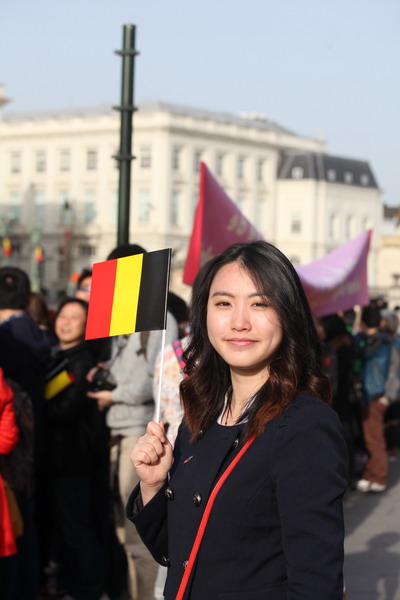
(40, 161)
(195, 200)
(15, 206)
(87, 251)
(240, 167)
(197, 160)
(364, 179)
(219, 164)
(39, 214)
(333, 226)
(348, 177)
(241, 203)
(331, 175)
(260, 212)
(145, 157)
(297, 173)
(65, 160)
(174, 213)
(91, 160)
(17, 250)
(350, 227)
(296, 223)
(15, 213)
(89, 207)
(367, 223)
(143, 206)
(176, 158)
(39, 207)
(63, 197)
(15, 162)
(260, 170)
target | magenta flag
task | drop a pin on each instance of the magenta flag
(338, 281)
(218, 223)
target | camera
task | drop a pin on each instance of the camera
(103, 380)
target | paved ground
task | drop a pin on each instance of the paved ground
(372, 545)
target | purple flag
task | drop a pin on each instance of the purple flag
(338, 281)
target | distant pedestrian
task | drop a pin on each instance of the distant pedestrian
(375, 359)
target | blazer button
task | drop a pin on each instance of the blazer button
(169, 493)
(165, 561)
(184, 564)
(196, 499)
(236, 443)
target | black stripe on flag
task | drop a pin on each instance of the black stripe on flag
(152, 303)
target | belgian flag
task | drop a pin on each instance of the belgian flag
(129, 294)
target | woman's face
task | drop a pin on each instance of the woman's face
(242, 326)
(70, 325)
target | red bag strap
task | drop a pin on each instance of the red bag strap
(206, 515)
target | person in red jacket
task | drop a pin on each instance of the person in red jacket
(8, 439)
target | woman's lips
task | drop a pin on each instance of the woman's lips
(242, 342)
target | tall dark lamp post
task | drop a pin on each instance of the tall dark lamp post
(126, 108)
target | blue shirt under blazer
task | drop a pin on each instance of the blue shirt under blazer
(276, 529)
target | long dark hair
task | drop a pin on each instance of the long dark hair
(295, 367)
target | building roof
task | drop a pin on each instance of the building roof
(252, 120)
(333, 169)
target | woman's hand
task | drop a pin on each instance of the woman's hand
(152, 459)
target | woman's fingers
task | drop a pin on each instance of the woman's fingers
(156, 430)
(148, 450)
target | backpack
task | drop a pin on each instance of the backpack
(18, 465)
(392, 386)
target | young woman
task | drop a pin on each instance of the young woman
(275, 531)
(76, 454)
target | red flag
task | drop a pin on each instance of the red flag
(218, 223)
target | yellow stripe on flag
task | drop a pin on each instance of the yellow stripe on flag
(57, 384)
(126, 294)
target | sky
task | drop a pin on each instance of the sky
(327, 68)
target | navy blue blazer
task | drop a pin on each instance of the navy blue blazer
(276, 529)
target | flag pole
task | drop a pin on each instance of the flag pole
(157, 412)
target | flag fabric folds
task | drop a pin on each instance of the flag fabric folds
(129, 294)
(338, 281)
(218, 223)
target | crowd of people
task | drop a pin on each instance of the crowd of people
(72, 410)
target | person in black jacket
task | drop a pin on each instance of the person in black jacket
(253, 376)
(76, 442)
(24, 354)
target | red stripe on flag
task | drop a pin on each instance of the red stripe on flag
(101, 299)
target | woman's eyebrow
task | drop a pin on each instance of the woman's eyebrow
(230, 295)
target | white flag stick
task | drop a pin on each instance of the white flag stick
(160, 380)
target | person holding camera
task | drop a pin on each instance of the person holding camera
(124, 389)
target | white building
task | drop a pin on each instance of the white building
(59, 181)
